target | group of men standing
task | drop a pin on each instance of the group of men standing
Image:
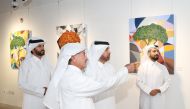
(86, 80)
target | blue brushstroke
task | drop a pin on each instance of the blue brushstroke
(169, 54)
(171, 19)
(138, 21)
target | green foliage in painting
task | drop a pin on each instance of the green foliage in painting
(151, 33)
(17, 42)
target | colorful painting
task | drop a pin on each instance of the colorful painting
(158, 30)
(78, 29)
(17, 47)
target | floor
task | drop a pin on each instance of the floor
(4, 106)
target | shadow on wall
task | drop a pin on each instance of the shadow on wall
(175, 97)
(127, 94)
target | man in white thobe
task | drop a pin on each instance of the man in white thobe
(153, 80)
(98, 59)
(34, 75)
(70, 88)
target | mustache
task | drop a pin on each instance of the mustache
(42, 51)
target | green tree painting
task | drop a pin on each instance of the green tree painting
(151, 34)
(17, 43)
(17, 50)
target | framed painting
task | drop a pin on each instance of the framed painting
(157, 30)
(70, 34)
(18, 41)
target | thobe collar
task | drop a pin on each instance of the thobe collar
(74, 69)
(152, 62)
(100, 64)
(36, 58)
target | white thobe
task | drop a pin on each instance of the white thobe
(105, 99)
(152, 75)
(76, 90)
(34, 74)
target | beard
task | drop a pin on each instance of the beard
(40, 53)
(154, 58)
(107, 58)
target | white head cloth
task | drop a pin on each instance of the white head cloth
(145, 56)
(68, 50)
(95, 51)
(30, 46)
(94, 54)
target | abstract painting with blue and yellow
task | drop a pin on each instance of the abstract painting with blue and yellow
(157, 30)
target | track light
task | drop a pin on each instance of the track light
(14, 4)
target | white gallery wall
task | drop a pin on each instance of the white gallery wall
(106, 20)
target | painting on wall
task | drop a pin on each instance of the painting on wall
(17, 47)
(71, 33)
(157, 30)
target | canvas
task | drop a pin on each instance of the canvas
(79, 29)
(157, 30)
(17, 47)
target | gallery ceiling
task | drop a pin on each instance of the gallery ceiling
(6, 5)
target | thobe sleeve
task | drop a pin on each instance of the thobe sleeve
(25, 85)
(51, 98)
(167, 81)
(141, 81)
(122, 70)
(88, 87)
(50, 69)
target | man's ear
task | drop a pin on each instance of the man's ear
(73, 58)
(148, 53)
(32, 52)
